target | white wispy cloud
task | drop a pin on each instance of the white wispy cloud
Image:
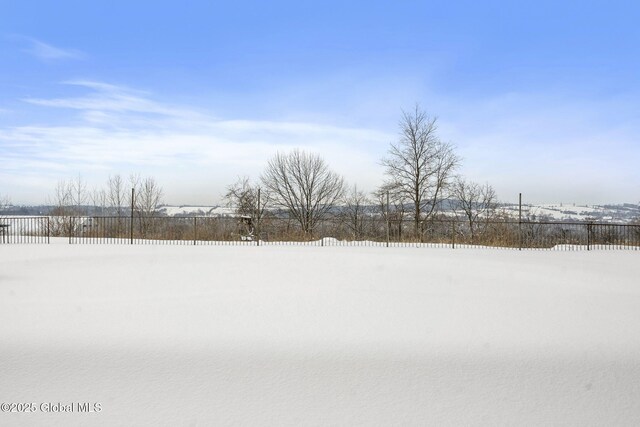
(121, 129)
(46, 51)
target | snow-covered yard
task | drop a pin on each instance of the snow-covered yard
(285, 335)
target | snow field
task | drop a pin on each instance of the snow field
(278, 335)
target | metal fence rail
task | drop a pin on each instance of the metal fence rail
(369, 231)
(25, 229)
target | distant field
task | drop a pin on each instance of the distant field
(283, 335)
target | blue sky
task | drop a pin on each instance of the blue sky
(538, 97)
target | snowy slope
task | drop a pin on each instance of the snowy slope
(277, 335)
(558, 212)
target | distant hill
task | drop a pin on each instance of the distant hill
(613, 213)
(622, 213)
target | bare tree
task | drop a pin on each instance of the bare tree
(99, 200)
(62, 199)
(79, 195)
(242, 196)
(147, 197)
(393, 213)
(420, 165)
(356, 205)
(304, 185)
(69, 198)
(475, 201)
(116, 195)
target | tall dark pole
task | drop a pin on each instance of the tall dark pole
(388, 225)
(133, 195)
(453, 235)
(258, 221)
(195, 230)
(520, 221)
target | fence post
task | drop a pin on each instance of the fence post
(48, 230)
(195, 230)
(258, 221)
(589, 236)
(70, 228)
(133, 195)
(453, 235)
(388, 225)
(520, 222)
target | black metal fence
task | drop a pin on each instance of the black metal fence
(443, 232)
(25, 229)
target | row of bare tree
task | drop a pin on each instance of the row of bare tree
(73, 197)
(119, 198)
(420, 172)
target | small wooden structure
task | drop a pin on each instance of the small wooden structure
(245, 225)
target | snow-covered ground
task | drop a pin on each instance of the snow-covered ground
(280, 335)
(563, 212)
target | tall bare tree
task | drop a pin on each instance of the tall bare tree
(475, 201)
(420, 165)
(356, 206)
(116, 195)
(79, 195)
(69, 200)
(148, 196)
(303, 184)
